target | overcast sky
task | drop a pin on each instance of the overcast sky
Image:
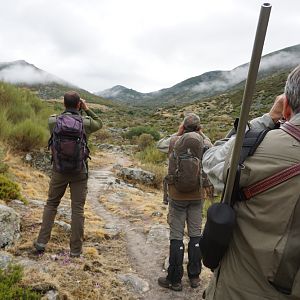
(145, 45)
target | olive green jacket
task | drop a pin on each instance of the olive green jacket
(91, 121)
(264, 244)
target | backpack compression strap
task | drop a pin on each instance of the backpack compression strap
(280, 177)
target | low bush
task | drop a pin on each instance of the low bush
(23, 118)
(144, 140)
(151, 155)
(10, 288)
(9, 190)
(137, 131)
(26, 136)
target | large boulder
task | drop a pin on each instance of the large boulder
(137, 174)
(9, 226)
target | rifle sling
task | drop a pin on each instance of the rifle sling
(282, 176)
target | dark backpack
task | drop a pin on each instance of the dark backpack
(68, 144)
(185, 162)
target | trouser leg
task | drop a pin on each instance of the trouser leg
(175, 269)
(57, 188)
(78, 190)
(194, 255)
(194, 220)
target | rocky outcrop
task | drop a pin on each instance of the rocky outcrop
(9, 226)
(138, 175)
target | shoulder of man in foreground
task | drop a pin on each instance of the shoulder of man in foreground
(215, 157)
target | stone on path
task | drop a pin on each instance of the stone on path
(5, 259)
(138, 284)
(158, 235)
(65, 226)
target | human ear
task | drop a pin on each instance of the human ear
(287, 111)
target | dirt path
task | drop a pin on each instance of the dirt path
(146, 254)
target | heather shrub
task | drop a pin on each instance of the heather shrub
(137, 131)
(9, 190)
(10, 288)
(144, 140)
(26, 136)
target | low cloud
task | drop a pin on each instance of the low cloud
(228, 79)
(27, 74)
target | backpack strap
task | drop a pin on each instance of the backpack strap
(252, 140)
(278, 178)
(291, 129)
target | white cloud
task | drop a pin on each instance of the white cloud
(145, 45)
(26, 74)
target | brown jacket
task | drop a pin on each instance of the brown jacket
(265, 225)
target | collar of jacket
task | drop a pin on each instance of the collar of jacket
(73, 111)
(295, 119)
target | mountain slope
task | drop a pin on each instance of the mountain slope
(44, 84)
(207, 84)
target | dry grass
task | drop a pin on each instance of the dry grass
(94, 276)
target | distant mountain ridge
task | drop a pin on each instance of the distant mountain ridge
(207, 84)
(44, 84)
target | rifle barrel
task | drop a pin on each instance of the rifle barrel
(247, 97)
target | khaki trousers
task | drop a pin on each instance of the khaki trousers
(57, 188)
(183, 212)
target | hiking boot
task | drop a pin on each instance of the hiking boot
(37, 251)
(195, 282)
(164, 282)
(38, 248)
(75, 255)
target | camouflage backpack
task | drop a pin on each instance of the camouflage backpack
(68, 144)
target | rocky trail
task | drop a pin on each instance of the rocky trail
(126, 237)
(146, 249)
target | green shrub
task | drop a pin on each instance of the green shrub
(144, 140)
(27, 135)
(23, 118)
(137, 131)
(9, 190)
(151, 155)
(4, 125)
(10, 288)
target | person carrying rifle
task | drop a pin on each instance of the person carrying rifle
(263, 258)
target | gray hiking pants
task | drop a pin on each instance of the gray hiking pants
(181, 212)
(57, 188)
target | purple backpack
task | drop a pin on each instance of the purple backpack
(68, 144)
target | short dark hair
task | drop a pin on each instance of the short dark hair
(71, 99)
